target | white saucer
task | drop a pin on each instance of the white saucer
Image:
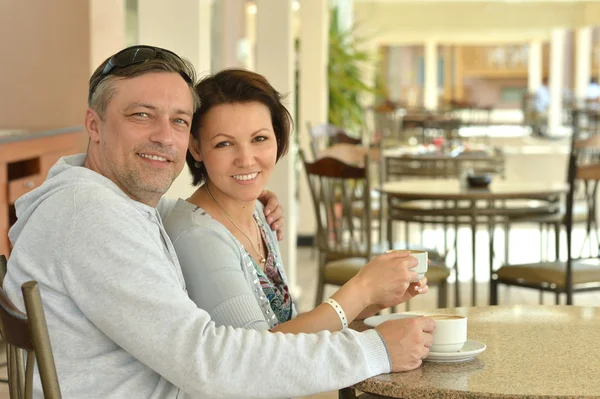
(374, 321)
(468, 352)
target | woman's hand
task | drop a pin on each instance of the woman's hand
(273, 212)
(414, 289)
(387, 280)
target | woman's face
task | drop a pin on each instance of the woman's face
(238, 147)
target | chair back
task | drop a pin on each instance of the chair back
(338, 190)
(436, 166)
(27, 340)
(3, 269)
(583, 176)
(325, 135)
(388, 124)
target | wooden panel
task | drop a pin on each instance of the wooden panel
(18, 187)
(48, 160)
(458, 74)
(3, 216)
(448, 63)
(2, 173)
(3, 195)
(4, 242)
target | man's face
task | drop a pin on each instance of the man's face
(141, 142)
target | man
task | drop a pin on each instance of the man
(120, 321)
(542, 102)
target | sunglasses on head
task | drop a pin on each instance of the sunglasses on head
(137, 55)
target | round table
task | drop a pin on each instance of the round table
(532, 351)
(453, 202)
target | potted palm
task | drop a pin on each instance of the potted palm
(347, 85)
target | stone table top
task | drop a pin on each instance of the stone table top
(532, 351)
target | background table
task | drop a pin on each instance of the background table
(452, 200)
(532, 351)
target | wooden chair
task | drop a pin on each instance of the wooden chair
(27, 333)
(3, 264)
(575, 274)
(325, 135)
(3, 269)
(344, 238)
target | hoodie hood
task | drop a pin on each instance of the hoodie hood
(66, 173)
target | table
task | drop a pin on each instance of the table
(453, 203)
(532, 351)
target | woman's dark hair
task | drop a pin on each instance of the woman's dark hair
(234, 86)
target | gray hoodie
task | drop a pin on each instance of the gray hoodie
(121, 323)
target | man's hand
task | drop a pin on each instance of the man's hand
(408, 341)
(273, 212)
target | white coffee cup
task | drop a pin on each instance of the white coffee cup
(421, 268)
(450, 332)
(421, 256)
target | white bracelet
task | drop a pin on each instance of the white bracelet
(338, 309)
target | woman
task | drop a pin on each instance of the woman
(230, 259)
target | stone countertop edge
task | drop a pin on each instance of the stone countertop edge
(21, 134)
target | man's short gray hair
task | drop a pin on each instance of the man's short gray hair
(102, 85)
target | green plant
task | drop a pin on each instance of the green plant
(347, 88)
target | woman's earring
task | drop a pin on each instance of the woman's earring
(197, 164)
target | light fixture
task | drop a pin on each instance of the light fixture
(252, 9)
(295, 5)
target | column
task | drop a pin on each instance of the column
(107, 30)
(557, 52)
(187, 34)
(275, 60)
(430, 89)
(534, 65)
(313, 96)
(230, 33)
(583, 61)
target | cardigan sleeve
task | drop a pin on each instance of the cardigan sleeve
(212, 267)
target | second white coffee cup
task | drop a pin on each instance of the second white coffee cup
(450, 333)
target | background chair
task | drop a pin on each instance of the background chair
(345, 238)
(28, 333)
(3, 265)
(325, 135)
(576, 274)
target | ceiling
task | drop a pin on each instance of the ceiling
(470, 21)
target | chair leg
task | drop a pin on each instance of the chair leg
(347, 393)
(506, 243)
(557, 298)
(542, 254)
(557, 241)
(442, 301)
(493, 292)
(321, 280)
(541, 297)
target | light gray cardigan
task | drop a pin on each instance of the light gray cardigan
(219, 273)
